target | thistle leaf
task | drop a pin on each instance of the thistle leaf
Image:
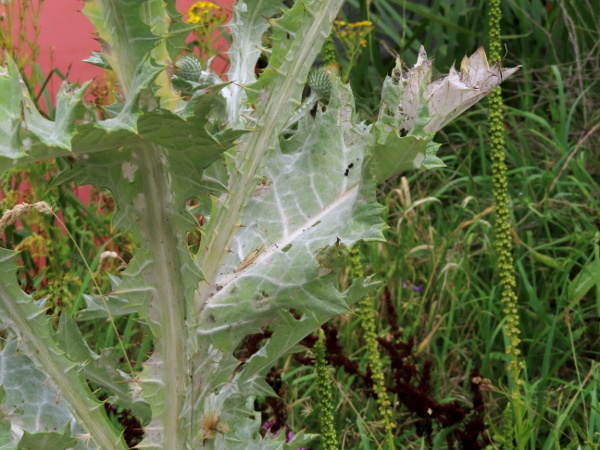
(36, 338)
(247, 27)
(126, 39)
(414, 108)
(73, 133)
(53, 440)
(29, 400)
(314, 190)
(102, 369)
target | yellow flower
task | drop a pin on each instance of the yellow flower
(202, 12)
(339, 23)
(364, 23)
(36, 244)
(363, 43)
(10, 199)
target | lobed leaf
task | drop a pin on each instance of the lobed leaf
(247, 27)
(314, 193)
(414, 107)
(29, 322)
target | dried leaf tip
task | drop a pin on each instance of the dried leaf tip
(445, 98)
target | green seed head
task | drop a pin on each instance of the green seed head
(319, 80)
(189, 69)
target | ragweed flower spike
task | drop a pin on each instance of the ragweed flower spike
(368, 315)
(328, 434)
(503, 241)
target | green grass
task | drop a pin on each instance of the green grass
(440, 235)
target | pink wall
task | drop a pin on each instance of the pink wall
(66, 38)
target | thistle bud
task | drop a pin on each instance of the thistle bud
(189, 69)
(319, 80)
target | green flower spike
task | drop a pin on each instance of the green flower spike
(502, 226)
(367, 315)
(328, 434)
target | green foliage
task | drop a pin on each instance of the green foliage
(441, 239)
(230, 147)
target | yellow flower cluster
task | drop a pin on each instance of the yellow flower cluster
(364, 23)
(10, 199)
(353, 34)
(206, 13)
(354, 38)
(36, 244)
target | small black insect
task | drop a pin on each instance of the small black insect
(350, 166)
(346, 172)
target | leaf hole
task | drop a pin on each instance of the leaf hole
(295, 314)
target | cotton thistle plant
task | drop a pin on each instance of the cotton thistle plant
(272, 198)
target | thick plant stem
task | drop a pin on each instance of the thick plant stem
(255, 150)
(367, 315)
(169, 298)
(503, 241)
(328, 435)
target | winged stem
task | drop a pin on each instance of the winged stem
(253, 152)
